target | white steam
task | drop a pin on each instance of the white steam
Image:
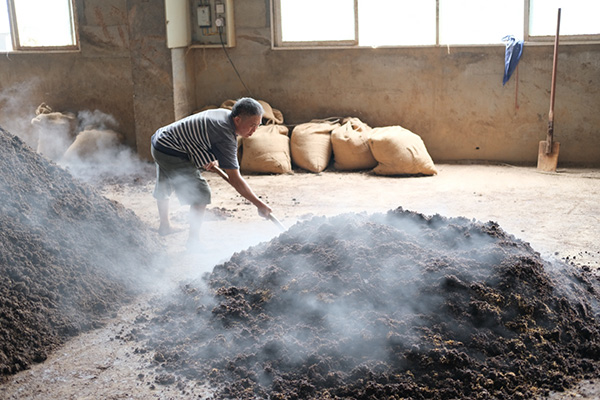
(17, 113)
(89, 145)
(96, 120)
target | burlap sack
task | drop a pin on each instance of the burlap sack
(277, 116)
(228, 104)
(55, 132)
(43, 109)
(311, 145)
(93, 145)
(271, 115)
(398, 151)
(350, 143)
(267, 151)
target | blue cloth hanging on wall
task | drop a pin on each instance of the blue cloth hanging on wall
(514, 49)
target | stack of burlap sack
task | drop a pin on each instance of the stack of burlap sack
(268, 149)
(352, 144)
(61, 138)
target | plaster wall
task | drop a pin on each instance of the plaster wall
(123, 69)
(452, 97)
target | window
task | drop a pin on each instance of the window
(5, 37)
(578, 17)
(37, 25)
(480, 22)
(393, 23)
(334, 22)
(298, 23)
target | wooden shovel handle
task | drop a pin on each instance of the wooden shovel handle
(221, 173)
(550, 135)
(554, 64)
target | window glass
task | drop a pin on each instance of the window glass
(44, 23)
(480, 22)
(433, 22)
(577, 17)
(317, 20)
(5, 41)
(396, 22)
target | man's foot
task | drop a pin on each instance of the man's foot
(194, 246)
(167, 230)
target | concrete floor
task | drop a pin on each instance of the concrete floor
(557, 213)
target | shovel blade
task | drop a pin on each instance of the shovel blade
(548, 162)
(276, 222)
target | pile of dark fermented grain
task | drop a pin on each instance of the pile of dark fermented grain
(66, 255)
(385, 306)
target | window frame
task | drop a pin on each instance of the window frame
(17, 47)
(276, 32)
(573, 39)
(278, 43)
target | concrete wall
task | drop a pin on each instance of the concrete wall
(452, 97)
(123, 69)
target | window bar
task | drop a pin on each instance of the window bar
(526, 22)
(437, 22)
(356, 23)
(12, 21)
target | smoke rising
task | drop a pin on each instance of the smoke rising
(399, 303)
(68, 256)
(87, 143)
(98, 151)
(17, 112)
(96, 120)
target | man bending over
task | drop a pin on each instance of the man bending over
(202, 141)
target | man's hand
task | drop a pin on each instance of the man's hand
(211, 165)
(264, 210)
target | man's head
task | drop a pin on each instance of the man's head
(247, 114)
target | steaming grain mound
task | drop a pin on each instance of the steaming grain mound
(384, 307)
(65, 253)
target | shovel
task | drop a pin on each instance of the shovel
(271, 217)
(548, 149)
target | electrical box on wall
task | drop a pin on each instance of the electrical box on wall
(178, 23)
(212, 23)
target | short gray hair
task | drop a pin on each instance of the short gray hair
(247, 106)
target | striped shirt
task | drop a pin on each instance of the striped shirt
(202, 138)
